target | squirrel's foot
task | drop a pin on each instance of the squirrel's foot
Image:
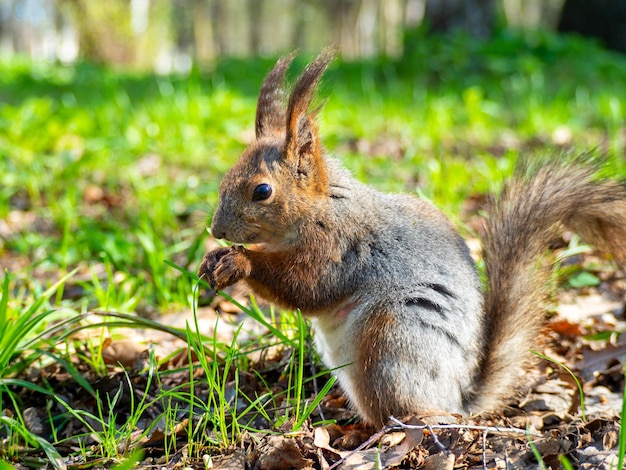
(224, 266)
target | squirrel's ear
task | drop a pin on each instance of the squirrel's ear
(302, 139)
(270, 114)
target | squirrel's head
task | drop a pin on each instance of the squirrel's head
(281, 180)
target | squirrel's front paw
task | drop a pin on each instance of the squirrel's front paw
(224, 266)
(205, 271)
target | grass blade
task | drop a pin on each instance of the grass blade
(581, 393)
(4, 302)
(622, 431)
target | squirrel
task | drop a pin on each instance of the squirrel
(399, 310)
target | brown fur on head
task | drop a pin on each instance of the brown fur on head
(267, 195)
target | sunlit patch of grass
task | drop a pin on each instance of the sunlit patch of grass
(19, 325)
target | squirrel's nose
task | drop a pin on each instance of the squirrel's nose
(221, 220)
(217, 230)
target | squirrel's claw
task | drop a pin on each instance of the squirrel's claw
(230, 268)
(224, 266)
(205, 271)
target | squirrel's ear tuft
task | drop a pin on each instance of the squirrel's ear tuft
(302, 141)
(304, 89)
(270, 111)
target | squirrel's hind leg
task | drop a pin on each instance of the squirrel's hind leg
(406, 365)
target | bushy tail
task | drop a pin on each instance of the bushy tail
(523, 220)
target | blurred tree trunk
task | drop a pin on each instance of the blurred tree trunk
(203, 32)
(391, 27)
(602, 19)
(255, 20)
(218, 17)
(7, 23)
(299, 10)
(342, 16)
(476, 17)
(182, 15)
(368, 22)
(104, 30)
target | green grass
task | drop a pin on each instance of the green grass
(110, 178)
(212, 404)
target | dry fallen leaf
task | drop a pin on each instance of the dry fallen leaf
(280, 453)
(125, 352)
(234, 461)
(586, 307)
(395, 455)
(596, 361)
(565, 328)
(391, 451)
(32, 421)
(440, 461)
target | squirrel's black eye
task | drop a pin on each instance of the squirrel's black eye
(262, 192)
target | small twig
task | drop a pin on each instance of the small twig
(398, 425)
(490, 429)
(484, 439)
(436, 439)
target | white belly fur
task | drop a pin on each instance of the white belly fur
(335, 344)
